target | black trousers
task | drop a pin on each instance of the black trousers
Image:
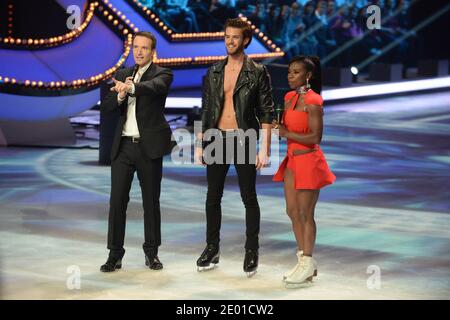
(149, 171)
(246, 172)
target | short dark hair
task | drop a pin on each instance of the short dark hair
(148, 35)
(243, 25)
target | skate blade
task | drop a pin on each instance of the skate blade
(207, 268)
(294, 285)
(305, 284)
(251, 274)
(314, 275)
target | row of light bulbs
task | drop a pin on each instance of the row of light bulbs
(203, 35)
(94, 80)
(120, 15)
(10, 18)
(257, 56)
(53, 41)
(215, 35)
(108, 11)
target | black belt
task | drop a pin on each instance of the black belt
(132, 139)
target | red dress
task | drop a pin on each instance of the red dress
(311, 169)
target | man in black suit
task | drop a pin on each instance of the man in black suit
(142, 138)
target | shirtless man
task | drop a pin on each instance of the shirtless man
(237, 101)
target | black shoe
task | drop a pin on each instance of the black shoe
(111, 264)
(251, 261)
(210, 255)
(153, 262)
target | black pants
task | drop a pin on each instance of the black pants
(216, 174)
(149, 172)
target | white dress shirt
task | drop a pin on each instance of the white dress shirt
(130, 127)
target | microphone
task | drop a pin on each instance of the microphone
(279, 113)
(135, 70)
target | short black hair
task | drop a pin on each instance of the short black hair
(148, 35)
(243, 25)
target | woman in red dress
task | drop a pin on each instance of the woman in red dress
(304, 170)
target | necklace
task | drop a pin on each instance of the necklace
(234, 68)
(302, 90)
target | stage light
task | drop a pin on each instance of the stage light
(354, 70)
(380, 89)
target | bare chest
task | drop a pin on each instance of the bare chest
(230, 79)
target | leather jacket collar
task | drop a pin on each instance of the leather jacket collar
(244, 77)
(247, 65)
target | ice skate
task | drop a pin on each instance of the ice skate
(250, 262)
(292, 270)
(209, 258)
(303, 275)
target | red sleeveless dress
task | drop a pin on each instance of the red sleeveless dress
(311, 169)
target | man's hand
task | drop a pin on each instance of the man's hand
(129, 81)
(262, 159)
(198, 156)
(122, 95)
(122, 88)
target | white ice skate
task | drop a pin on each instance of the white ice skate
(303, 275)
(291, 271)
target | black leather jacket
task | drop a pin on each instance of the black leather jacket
(252, 97)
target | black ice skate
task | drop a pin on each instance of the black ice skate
(209, 256)
(250, 262)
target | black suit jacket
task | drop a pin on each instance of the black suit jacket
(151, 93)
